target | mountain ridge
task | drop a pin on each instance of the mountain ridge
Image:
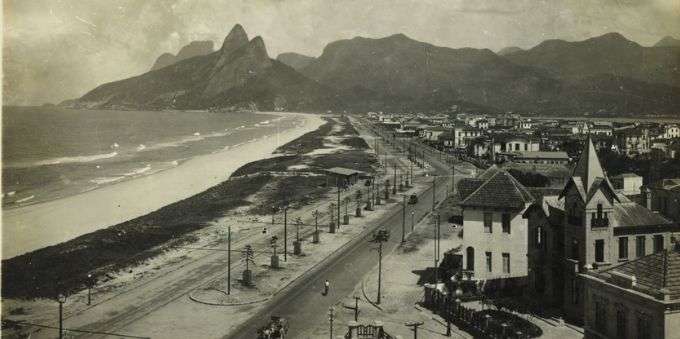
(401, 74)
(194, 48)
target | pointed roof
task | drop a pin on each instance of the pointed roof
(499, 189)
(588, 167)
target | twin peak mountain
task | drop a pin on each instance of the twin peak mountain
(602, 74)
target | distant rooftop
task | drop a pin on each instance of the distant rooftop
(655, 274)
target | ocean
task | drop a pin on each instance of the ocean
(50, 153)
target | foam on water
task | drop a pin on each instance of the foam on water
(138, 171)
(105, 180)
(75, 159)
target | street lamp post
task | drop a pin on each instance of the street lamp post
(285, 234)
(403, 219)
(413, 220)
(380, 237)
(61, 299)
(89, 289)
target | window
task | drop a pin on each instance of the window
(488, 222)
(506, 222)
(599, 211)
(506, 262)
(599, 250)
(640, 246)
(623, 248)
(489, 267)
(658, 243)
(470, 259)
(621, 323)
(538, 236)
(526, 147)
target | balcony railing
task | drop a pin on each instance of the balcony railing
(601, 222)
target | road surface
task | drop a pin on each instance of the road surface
(303, 303)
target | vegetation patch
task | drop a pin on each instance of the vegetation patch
(63, 268)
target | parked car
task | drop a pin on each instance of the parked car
(413, 199)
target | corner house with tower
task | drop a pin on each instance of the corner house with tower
(601, 259)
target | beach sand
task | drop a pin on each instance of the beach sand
(32, 227)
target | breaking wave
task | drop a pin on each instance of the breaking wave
(76, 159)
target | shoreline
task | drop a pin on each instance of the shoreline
(130, 199)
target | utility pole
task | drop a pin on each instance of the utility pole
(61, 299)
(229, 261)
(338, 185)
(403, 220)
(355, 308)
(437, 236)
(285, 234)
(453, 177)
(394, 189)
(331, 314)
(434, 190)
(414, 327)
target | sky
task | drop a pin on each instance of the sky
(59, 49)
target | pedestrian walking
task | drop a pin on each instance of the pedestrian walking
(326, 287)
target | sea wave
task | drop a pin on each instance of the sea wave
(188, 139)
(105, 180)
(138, 171)
(76, 159)
(25, 199)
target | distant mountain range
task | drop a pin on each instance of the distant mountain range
(195, 48)
(605, 74)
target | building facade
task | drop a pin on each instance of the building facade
(495, 237)
(588, 227)
(637, 299)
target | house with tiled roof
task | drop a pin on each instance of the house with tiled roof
(593, 228)
(495, 237)
(663, 196)
(635, 299)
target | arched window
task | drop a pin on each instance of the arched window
(470, 252)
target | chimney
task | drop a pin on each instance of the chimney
(648, 198)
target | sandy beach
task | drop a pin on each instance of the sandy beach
(36, 226)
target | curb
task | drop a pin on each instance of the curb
(195, 299)
(363, 291)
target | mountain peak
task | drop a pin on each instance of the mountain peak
(612, 37)
(399, 36)
(236, 38)
(668, 41)
(257, 47)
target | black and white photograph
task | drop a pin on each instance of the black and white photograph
(326, 169)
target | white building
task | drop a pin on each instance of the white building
(495, 240)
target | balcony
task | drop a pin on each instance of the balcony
(601, 222)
